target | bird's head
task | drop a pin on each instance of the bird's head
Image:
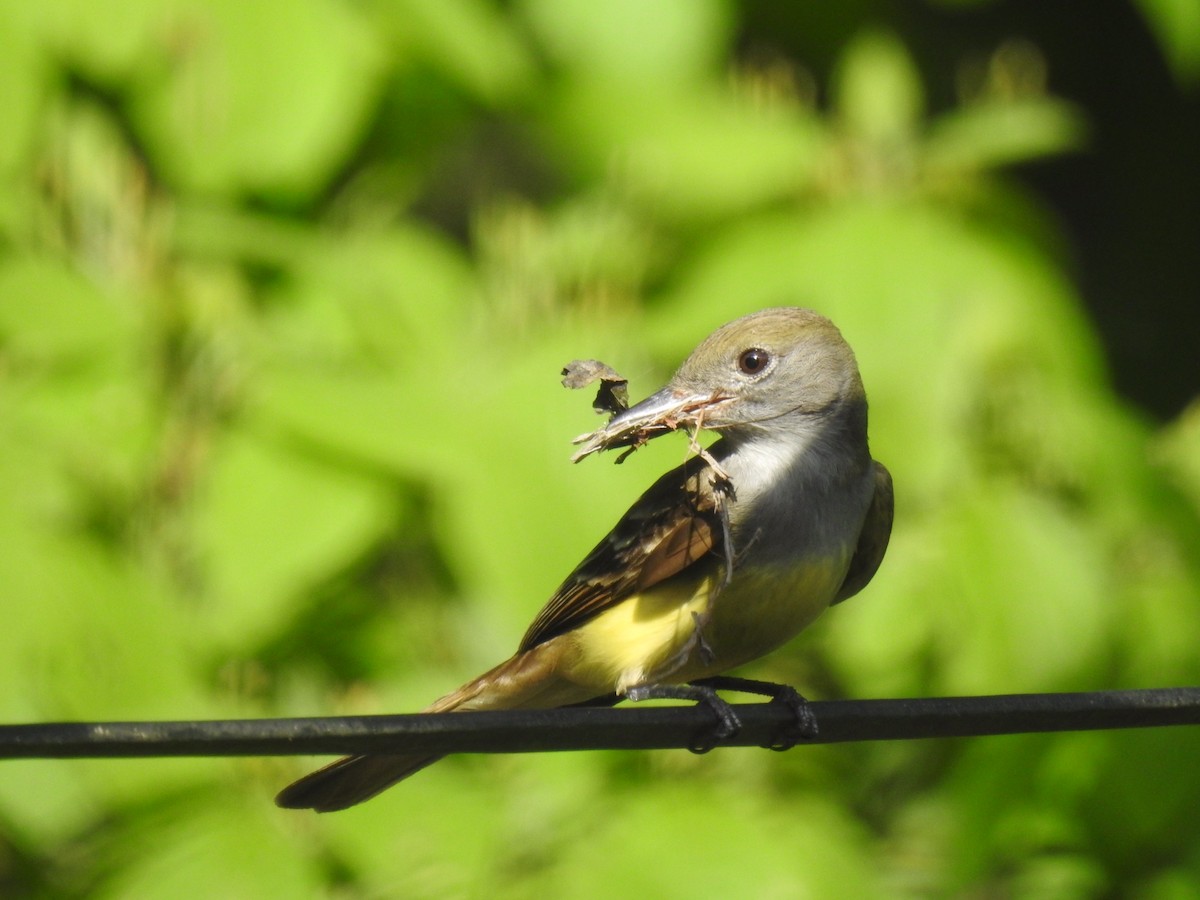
(775, 372)
(778, 364)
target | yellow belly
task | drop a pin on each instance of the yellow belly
(651, 637)
(630, 643)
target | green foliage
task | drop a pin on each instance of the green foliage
(1176, 24)
(284, 292)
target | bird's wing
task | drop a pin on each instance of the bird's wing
(675, 525)
(873, 539)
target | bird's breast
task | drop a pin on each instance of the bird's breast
(765, 607)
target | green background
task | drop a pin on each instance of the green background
(285, 289)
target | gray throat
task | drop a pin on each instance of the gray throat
(802, 488)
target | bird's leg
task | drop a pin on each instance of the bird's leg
(746, 545)
(704, 647)
(726, 534)
(726, 726)
(804, 726)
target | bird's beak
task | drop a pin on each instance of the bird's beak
(665, 411)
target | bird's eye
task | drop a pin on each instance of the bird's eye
(753, 361)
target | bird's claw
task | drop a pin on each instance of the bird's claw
(803, 726)
(727, 723)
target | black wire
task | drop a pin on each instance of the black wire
(579, 728)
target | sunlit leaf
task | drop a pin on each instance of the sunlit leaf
(264, 97)
(642, 46)
(23, 76)
(55, 315)
(1176, 24)
(1179, 450)
(879, 93)
(271, 522)
(468, 39)
(988, 135)
(206, 850)
(821, 855)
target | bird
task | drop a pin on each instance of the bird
(721, 561)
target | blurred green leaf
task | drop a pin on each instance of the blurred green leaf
(1178, 449)
(86, 638)
(592, 253)
(988, 135)
(879, 96)
(1176, 24)
(705, 155)
(271, 522)
(266, 97)
(208, 852)
(643, 47)
(468, 39)
(23, 82)
(55, 316)
(1132, 815)
(460, 832)
(1025, 607)
(111, 41)
(821, 855)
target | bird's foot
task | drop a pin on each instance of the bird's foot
(703, 647)
(803, 727)
(726, 725)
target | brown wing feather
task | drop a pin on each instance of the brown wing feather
(673, 526)
(873, 539)
(685, 541)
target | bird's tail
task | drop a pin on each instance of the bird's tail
(348, 781)
(525, 681)
(352, 779)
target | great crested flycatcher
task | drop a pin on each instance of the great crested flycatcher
(721, 561)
